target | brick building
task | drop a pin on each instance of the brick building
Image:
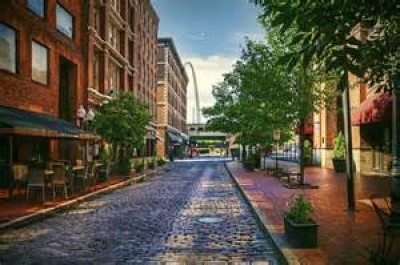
(371, 127)
(42, 77)
(122, 54)
(172, 81)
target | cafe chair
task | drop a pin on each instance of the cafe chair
(60, 179)
(36, 181)
(390, 223)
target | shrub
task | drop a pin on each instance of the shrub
(250, 162)
(123, 166)
(339, 149)
(139, 167)
(300, 210)
(151, 164)
(160, 161)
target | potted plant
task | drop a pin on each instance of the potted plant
(307, 149)
(151, 164)
(339, 152)
(300, 229)
(250, 163)
(139, 167)
(160, 161)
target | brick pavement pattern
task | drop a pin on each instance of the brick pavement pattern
(344, 237)
(193, 214)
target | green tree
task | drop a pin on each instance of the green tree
(261, 95)
(122, 122)
(323, 36)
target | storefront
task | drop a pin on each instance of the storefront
(34, 138)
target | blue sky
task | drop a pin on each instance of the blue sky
(209, 33)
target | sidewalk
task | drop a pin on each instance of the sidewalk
(344, 238)
(18, 212)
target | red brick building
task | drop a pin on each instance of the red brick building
(171, 99)
(122, 54)
(42, 71)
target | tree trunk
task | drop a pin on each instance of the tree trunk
(301, 150)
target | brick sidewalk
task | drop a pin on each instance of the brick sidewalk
(344, 238)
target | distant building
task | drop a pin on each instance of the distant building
(172, 81)
(122, 54)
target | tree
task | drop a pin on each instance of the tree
(324, 32)
(261, 95)
(122, 122)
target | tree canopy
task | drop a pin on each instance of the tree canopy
(122, 121)
(325, 32)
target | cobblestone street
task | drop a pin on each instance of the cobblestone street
(193, 214)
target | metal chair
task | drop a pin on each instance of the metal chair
(92, 173)
(36, 181)
(82, 176)
(60, 179)
(390, 223)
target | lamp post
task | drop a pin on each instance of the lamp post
(395, 170)
(276, 137)
(81, 114)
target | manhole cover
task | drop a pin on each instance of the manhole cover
(211, 220)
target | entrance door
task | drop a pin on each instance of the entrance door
(4, 162)
(67, 89)
(66, 100)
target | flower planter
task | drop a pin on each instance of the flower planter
(301, 235)
(249, 165)
(339, 165)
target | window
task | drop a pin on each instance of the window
(8, 51)
(113, 77)
(37, 7)
(97, 18)
(116, 5)
(96, 70)
(114, 36)
(40, 63)
(65, 22)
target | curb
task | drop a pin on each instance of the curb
(48, 212)
(286, 253)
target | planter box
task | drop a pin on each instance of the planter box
(301, 235)
(339, 165)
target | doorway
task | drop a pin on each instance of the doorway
(66, 100)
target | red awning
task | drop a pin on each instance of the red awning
(308, 129)
(376, 108)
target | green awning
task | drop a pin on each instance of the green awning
(20, 122)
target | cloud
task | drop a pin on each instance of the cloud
(209, 71)
(199, 36)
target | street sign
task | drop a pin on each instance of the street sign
(277, 135)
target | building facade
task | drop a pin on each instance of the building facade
(42, 73)
(122, 54)
(172, 81)
(371, 127)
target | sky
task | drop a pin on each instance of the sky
(208, 33)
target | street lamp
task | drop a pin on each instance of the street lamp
(276, 137)
(395, 171)
(81, 113)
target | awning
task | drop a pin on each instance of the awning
(20, 122)
(376, 108)
(174, 138)
(308, 129)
